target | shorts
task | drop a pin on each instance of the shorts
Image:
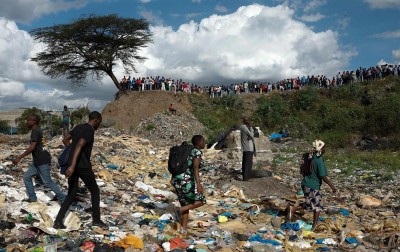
(313, 200)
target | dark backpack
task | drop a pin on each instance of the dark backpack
(178, 158)
(306, 164)
(63, 159)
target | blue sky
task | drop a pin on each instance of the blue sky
(204, 41)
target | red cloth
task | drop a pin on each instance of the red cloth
(177, 243)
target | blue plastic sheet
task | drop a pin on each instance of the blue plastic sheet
(344, 212)
(258, 238)
(352, 240)
(293, 226)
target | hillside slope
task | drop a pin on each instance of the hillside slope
(129, 110)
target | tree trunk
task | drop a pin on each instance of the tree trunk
(114, 79)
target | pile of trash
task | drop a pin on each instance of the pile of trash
(166, 129)
(137, 201)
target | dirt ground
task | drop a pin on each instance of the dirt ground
(129, 110)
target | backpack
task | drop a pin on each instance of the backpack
(178, 158)
(63, 159)
(306, 163)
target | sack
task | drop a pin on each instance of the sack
(178, 158)
(63, 159)
(306, 164)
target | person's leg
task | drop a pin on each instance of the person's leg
(184, 210)
(30, 190)
(72, 189)
(44, 171)
(88, 177)
(316, 206)
(246, 165)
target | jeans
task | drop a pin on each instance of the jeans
(88, 177)
(44, 172)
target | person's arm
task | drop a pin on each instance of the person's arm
(196, 167)
(246, 130)
(79, 146)
(326, 180)
(26, 153)
(67, 139)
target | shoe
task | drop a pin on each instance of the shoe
(99, 224)
(178, 214)
(29, 200)
(59, 225)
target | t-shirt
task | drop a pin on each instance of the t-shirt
(40, 156)
(314, 180)
(86, 132)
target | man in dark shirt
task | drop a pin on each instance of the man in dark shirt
(82, 137)
(41, 162)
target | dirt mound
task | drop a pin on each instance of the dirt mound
(129, 110)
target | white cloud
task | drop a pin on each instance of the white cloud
(221, 8)
(145, 1)
(383, 4)
(396, 54)
(343, 22)
(312, 18)
(151, 17)
(196, 1)
(255, 42)
(26, 10)
(388, 34)
(23, 85)
(314, 4)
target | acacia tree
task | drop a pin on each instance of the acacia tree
(91, 46)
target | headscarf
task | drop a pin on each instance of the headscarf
(318, 145)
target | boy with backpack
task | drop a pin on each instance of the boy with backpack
(312, 182)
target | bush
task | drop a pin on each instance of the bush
(217, 114)
(4, 126)
(80, 115)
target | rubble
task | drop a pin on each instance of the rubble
(136, 201)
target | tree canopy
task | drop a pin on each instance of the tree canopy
(91, 46)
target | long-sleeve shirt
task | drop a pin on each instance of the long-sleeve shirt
(246, 138)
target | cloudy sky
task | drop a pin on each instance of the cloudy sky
(204, 42)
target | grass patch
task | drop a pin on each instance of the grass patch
(351, 160)
(150, 127)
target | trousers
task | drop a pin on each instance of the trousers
(247, 164)
(88, 177)
(44, 172)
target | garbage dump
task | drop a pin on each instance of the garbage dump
(137, 201)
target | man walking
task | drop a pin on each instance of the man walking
(82, 137)
(41, 162)
(248, 147)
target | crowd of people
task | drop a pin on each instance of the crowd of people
(214, 90)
